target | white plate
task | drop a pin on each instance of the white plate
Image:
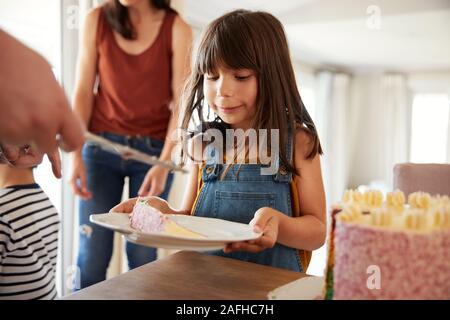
(217, 232)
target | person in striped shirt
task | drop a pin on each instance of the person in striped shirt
(29, 226)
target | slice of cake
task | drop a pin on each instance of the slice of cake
(388, 249)
(148, 219)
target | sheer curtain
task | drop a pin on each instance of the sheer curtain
(334, 124)
(364, 124)
(332, 92)
(380, 134)
(396, 103)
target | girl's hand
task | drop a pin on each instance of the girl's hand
(266, 221)
(125, 206)
(156, 202)
(154, 182)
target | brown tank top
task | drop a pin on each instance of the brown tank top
(134, 91)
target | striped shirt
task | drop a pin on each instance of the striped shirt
(29, 225)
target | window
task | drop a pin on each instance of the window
(429, 128)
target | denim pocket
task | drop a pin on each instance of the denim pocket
(240, 206)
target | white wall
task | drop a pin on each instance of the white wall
(34, 22)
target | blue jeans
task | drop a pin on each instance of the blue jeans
(105, 179)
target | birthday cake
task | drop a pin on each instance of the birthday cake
(148, 219)
(387, 249)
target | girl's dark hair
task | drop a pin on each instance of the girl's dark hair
(244, 39)
(119, 20)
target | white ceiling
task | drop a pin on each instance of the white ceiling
(414, 35)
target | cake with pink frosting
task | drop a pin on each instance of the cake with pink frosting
(148, 219)
(388, 249)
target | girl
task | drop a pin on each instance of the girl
(139, 51)
(244, 74)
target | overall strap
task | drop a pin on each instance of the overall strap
(211, 166)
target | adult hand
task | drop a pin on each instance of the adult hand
(154, 182)
(265, 221)
(55, 160)
(33, 107)
(78, 178)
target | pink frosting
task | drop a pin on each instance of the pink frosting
(146, 218)
(411, 265)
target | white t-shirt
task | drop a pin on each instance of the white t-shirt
(29, 226)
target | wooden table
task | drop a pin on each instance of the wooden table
(191, 276)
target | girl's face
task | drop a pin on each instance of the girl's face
(231, 93)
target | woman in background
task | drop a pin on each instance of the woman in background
(140, 52)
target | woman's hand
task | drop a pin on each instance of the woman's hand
(78, 179)
(156, 202)
(266, 220)
(154, 182)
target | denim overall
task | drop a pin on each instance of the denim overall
(239, 195)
